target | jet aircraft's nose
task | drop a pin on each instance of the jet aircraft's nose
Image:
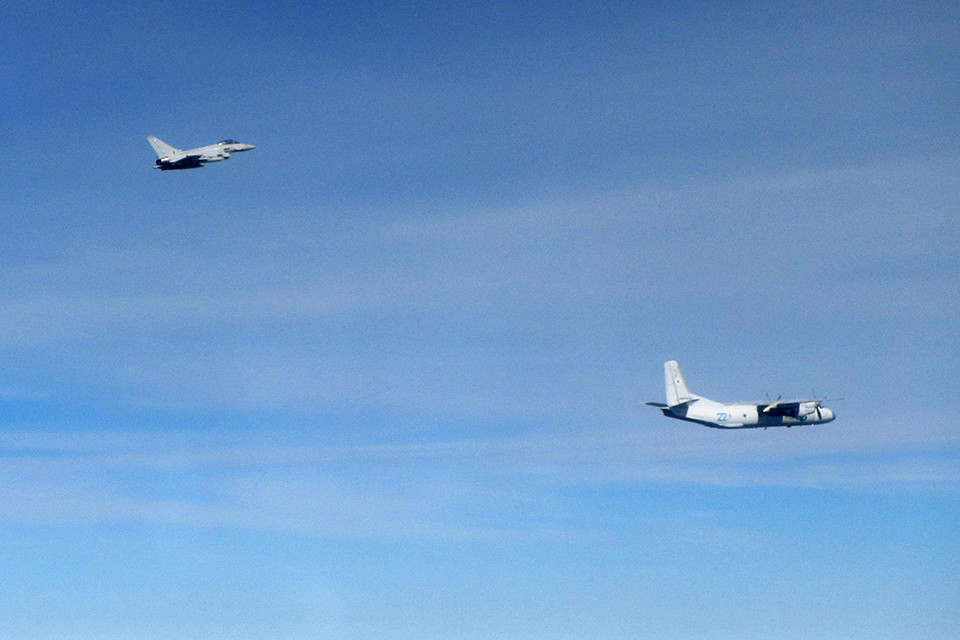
(246, 147)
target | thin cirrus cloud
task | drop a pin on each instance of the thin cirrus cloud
(449, 489)
(485, 304)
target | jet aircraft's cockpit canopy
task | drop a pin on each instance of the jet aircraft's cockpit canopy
(228, 142)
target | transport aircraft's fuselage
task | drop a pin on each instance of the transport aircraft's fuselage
(743, 416)
(683, 405)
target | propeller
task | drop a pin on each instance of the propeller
(820, 404)
(773, 404)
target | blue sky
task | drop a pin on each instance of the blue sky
(384, 375)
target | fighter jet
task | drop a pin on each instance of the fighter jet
(683, 405)
(170, 158)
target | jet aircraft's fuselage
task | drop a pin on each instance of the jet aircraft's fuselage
(171, 158)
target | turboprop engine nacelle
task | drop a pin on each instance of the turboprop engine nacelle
(806, 409)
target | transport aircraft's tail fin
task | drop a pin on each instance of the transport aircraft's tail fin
(162, 148)
(677, 392)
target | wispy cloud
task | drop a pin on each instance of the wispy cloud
(540, 311)
(496, 488)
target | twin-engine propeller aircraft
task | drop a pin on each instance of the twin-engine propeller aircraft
(683, 405)
(169, 158)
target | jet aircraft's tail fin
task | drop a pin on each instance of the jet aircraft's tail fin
(677, 392)
(162, 148)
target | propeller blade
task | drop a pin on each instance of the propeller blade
(772, 404)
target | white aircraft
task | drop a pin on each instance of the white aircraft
(683, 405)
(169, 158)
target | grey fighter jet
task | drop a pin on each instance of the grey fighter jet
(683, 405)
(169, 158)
